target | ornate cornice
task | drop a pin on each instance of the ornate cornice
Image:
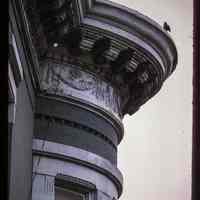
(127, 29)
(131, 25)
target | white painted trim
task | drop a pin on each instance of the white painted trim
(19, 64)
(12, 87)
(12, 82)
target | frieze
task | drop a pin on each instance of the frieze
(69, 80)
(82, 27)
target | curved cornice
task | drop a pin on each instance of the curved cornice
(128, 28)
(133, 26)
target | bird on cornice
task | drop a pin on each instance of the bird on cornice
(166, 27)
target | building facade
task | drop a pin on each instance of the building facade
(75, 69)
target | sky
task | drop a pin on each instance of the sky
(156, 151)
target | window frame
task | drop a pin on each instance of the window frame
(85, 188)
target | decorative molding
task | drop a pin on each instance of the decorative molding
(127, 28)
(74, 183)
(14, 59)
(133, 22)
(12, 96)
(19, 19)
(80, 157)
(68, 80)
(100, 112)
(15, 28)
(53, 119)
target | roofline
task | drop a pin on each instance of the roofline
(103, 13)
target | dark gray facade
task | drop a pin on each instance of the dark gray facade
(21, 147)
(75, 69)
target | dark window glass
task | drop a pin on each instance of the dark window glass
(65, 194)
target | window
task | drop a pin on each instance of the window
(65, 194)
(71, 188)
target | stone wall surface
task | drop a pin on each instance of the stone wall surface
(21, 147)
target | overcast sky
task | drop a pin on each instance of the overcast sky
(155, 154)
